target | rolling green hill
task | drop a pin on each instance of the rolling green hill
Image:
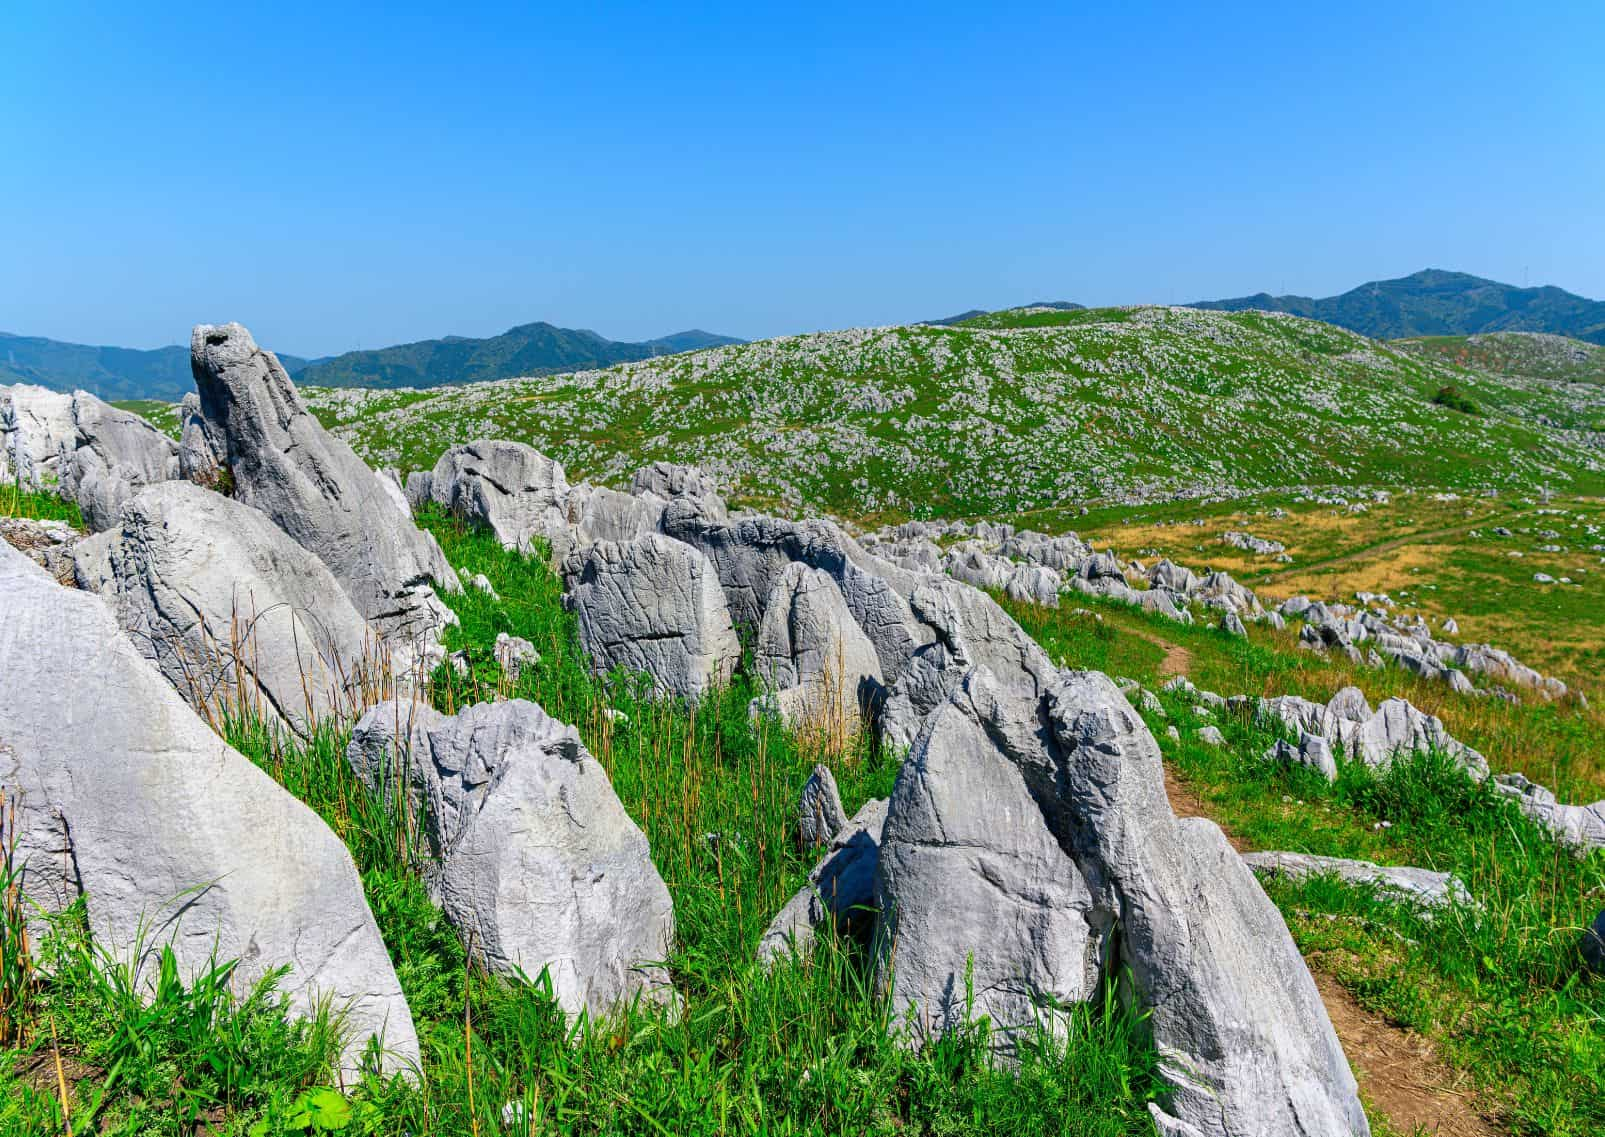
(1438, 303)
(1011, 411)
(530, 349)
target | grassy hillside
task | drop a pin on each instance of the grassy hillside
(1434, 302)
(1012, 411)
(1532, 355)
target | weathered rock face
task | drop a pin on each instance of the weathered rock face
(37, 431)
(1031, 829)
(117, 453)
(840, 892)
(539, 867)
(140, 808)
(230, 610)
(513, 489)
(750, 554)
(1580, 825)
(667, 481)
(200, 456)
(809, 648)
(655, 606)
(1245, 1041)
(311, 485)
(971, 880)
(967, 630)
(91, 452)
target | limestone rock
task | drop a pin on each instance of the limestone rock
(117, 453)
(972, 880)
(653, 605)
(1243, 1038)
(819, 810)
(311, 485)
(232, 612)
(539, 867)
(164, 829)
(513, 489)
(813, 653)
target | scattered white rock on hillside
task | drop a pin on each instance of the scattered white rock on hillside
(232, 612)
(538, 867)
(1260, 546)
(126, 799)
(311, 485)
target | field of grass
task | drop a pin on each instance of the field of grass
(1437, 555)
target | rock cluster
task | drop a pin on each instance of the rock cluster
(91, 452)
(534, 860)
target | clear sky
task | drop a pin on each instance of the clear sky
(344, 176)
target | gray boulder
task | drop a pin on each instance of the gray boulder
(1243, 1037)
(840, 892)
(311, 485)
(37, 432)
(200, 454)
(668, 482)
(1033, 584)
(819, 810)
(749, 554)
(513, 489)
(168, 835)
(824, 669)
(90, 452)
(973, 887)
(538, 867)
(1172, 577)
(655, 606)
(116, 453)
(1047, 814)
(1422, 886)
(1581, 826)
(233, 613)
(967, 629)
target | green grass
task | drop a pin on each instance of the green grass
(803, 1048)
(37, 506)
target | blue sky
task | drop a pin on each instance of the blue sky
(338, 177)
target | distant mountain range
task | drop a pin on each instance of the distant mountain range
(110, 372)
(530, 349)
(1438, 303)
(116, 373)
